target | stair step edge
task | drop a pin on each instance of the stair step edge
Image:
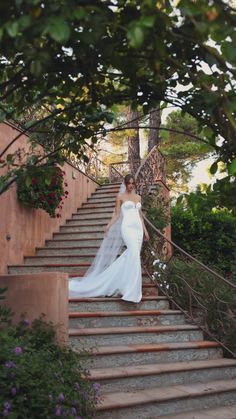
(153, 347)
(130, 330)
(103, 299)
(153, 369)
(81, 314)
(120, 400)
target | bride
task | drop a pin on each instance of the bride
(110, 275)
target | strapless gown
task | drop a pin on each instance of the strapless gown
(124, 276)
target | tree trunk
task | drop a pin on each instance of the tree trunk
(155, 122)
(133, 141)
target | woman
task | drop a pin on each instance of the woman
(122, 276)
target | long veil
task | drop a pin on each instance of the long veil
(110, 247)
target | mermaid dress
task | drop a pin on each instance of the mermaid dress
(124, 276)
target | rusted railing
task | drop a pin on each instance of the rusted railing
(118, 170)
(114, 174)
(95, 168)
(150, 171)
(205, 296)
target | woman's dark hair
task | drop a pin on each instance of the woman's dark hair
(128, 178)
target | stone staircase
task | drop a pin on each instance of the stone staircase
(150, 362)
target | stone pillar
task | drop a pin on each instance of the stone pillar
(35, 294)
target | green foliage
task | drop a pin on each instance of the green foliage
(156, 210)
(59, 56)
(42, 187)
(5, 313)
(182, 152)
(208, 235)
(209, 300)
(40, 379)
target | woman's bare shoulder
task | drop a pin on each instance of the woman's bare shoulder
(119, 197)
(138, 197)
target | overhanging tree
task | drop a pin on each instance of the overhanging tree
(75, 59)
(182, 152)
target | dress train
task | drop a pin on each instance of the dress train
(124, 276)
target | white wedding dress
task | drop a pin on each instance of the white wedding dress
(124, 276)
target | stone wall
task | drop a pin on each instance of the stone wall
(21, 228)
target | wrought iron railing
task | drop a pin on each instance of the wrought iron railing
(205, 296)
(147, 171)
(94, 167)
(114, 174)
(118, 170)
(150, 171)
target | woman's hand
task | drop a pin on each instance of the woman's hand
(146, 236)
(106, 229)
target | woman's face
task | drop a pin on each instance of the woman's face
(130, 185)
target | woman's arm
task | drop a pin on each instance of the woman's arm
(145, 232)
(115, 215)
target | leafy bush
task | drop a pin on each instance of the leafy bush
(210, 236)
(42, 187)
(156, 210)
(39, 379)
(5, 313)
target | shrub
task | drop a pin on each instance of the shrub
(42, 187)
(156, 210)
(210, 236)
(5, 313)
(39, 379)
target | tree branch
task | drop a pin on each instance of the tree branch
(55, 113)
(163, 129)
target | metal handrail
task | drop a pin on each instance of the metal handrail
(190, 256)
(175, 285)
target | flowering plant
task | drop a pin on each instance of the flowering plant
(39, 379)
(159, 267)
(42, 187)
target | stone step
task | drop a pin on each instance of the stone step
(117, 304)
(98, 234)
(91, 215)
(88, 222)
(94, 211)
(127, 355)
(225, 412)
(149, 289)
(67, 251)
(139, 377)
(78, 319)
(101, 205)
(92, 337)
(110, 186)
(75, 269)
(102, 199)
(73, 242)
(167, 400)
(102, 193)
(58, 259)
(76, 228)
(63, 251)
(145, 278)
